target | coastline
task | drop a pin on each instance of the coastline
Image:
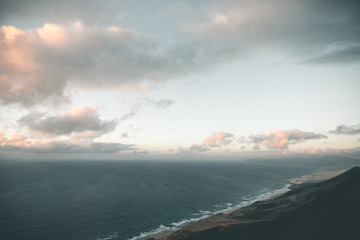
(162, 232)
(221, 217)
(325, 209)
(260, 198)
(151, 235)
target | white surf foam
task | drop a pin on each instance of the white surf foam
(110, 237)
(225, 208)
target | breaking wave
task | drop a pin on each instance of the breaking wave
(202, 214)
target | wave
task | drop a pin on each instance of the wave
(167, 229)
(202, 214)
(110, 237)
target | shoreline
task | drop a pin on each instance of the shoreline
(308, 205)
(261, 197)
(291, 184)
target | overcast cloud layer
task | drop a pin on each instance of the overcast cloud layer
(83, 49)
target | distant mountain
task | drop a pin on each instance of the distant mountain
(324, 210)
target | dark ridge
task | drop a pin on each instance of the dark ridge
(324, 210)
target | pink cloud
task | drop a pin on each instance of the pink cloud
(81, 112)
(279, 139)
(85, 137)
(20, 143)
(114, 29)
(53, 35)
(21, 73)
(217, 138)
(17, 140)
(13, 140)
(32, 70)
(2, 138)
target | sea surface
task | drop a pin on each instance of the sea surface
(97, 200)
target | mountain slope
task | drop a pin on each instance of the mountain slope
(325, 210)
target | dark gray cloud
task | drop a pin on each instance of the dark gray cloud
(77, 120)
(347, 130)
(93, 12)
(90, 11)
(300, 27)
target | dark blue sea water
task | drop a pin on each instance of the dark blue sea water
(127, 200)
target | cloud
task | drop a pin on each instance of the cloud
(131, 113)
(84, 46)
(195, 148)
(347, 130)
(93, 148)
(81, 119)
(45, 61)
(325, 151)
(53, 35)
(299, 26)
(279, 139)
(15, 140)
(256, 147)
(20, 143)
(2, 138)
(162, 104)
(85, 136)
(68, 148)
(216, 139)
(89, 11)
(341, 52)
(239, 18)
(22, 75)
(198, 148)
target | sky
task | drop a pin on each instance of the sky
(179, 79)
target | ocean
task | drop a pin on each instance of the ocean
(127, 200)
